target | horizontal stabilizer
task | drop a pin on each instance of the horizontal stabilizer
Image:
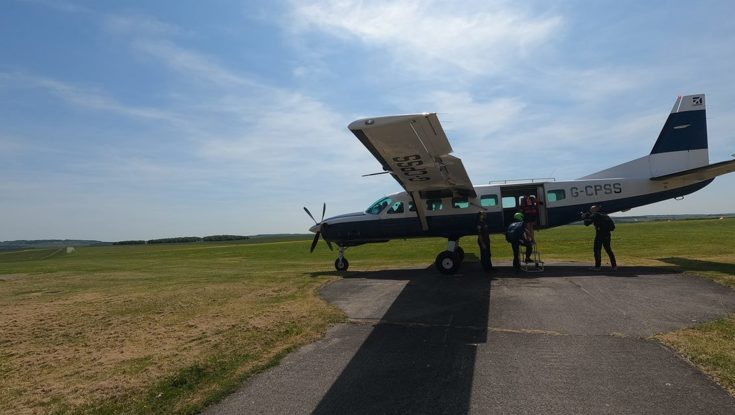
(701, 173)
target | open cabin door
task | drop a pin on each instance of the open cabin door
(512, 197)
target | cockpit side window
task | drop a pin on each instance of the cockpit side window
(378, 206)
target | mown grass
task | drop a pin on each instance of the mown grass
(172, 328)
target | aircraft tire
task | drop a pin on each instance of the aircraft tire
(447, 262)
(341, 265)
(460, 253)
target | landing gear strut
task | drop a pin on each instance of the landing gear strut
(448, 262)
(341, 263)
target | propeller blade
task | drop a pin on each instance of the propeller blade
(314, 242)
(309, 213)
(324, 210)
(329, 244)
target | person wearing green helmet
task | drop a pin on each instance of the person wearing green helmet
(516, 236)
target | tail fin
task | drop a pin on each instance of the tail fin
(681, 145)
(686, 127)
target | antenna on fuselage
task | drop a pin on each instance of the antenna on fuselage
(375, 174)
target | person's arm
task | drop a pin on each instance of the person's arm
(587, 217)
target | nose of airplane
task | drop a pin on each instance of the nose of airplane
(315, 228)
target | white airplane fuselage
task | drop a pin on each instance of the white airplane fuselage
(560, 203)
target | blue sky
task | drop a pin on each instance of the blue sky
(139, 120)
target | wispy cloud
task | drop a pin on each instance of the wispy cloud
(191, 63)
(89, 98)
(426, 36)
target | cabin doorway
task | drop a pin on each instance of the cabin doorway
(513, 196)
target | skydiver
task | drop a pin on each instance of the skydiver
(603, 226)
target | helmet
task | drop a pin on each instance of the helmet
(518, 216)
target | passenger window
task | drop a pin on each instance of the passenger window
(488, 200)
(396, 208)
(411, 207)
(556, 195)
(509, 202)
(434, 204)
(460, 203)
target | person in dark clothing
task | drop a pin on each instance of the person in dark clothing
(517, 236)
(483, 240)
(604, 225)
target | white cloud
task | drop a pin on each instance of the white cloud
(430, 36)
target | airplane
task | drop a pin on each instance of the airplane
(440, 201)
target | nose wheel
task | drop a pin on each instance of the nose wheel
(341, 263)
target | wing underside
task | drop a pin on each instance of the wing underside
(416, 151)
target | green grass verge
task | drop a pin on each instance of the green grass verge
(173, 328)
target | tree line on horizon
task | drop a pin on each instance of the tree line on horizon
(184, 239)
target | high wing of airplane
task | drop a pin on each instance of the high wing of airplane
(415, 150)
(440, 201)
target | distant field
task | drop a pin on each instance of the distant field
(170, 328)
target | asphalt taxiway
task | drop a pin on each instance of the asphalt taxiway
(563, 341)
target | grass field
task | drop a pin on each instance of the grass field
(172, 328)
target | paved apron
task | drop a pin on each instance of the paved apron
(558, 342)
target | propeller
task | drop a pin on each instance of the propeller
(318, 229)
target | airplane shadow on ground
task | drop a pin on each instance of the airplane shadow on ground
(420, 356)
(699, 265)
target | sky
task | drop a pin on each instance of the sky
(141, 120)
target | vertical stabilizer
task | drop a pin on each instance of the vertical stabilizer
(686, 127)
(681, 145)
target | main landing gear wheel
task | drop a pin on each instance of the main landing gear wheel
(448, 262)
(341, 264)
(460, 253)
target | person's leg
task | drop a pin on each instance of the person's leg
(608, 248)
(597, 248)
(516, 256)
(529, 231)
(485, 258)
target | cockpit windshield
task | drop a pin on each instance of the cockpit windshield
(378, 206)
